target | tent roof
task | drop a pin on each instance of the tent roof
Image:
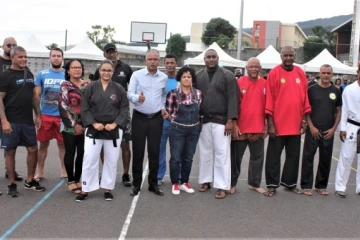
(325, 57)
(224, 59)
(269, 58)
(35, 48)
(85, 49)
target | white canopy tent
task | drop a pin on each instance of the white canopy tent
(85, 49)
(34, 48)
(325, 57)
(224, 59)
(269, 58)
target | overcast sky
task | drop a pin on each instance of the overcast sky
(48, 19)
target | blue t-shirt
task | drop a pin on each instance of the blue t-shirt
(50, 82)
(170, 85)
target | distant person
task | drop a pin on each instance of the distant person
(338, 84)
(91, 77)
(238, 73)
(47, 90)
(349, 135)
(286, 105)
(17, 119)
(325, 102)
(5, 63)
(345, 83)
(122, 74)
(314, 80)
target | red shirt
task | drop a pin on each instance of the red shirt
(252, 105)
(287, 99)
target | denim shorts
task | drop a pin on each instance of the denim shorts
(23, 134)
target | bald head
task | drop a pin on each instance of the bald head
(253, 68)
(211, 59)
(8, 44)
(287, 57)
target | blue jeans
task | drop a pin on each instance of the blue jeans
(183, 141)
(162, 155)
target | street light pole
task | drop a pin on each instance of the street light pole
(239, 45)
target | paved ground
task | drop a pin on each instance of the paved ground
(246, 214)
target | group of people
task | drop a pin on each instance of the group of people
(211, 109)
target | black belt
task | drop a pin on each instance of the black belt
(215, 116)
(149, 116)
(357, 134)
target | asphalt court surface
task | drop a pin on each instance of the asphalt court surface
(246, 214)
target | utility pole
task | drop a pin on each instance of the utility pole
(239, 45)
(355, 36)
(65, 39)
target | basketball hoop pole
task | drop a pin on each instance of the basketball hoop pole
(148, 44)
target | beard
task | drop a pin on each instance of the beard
(56, 66)
(7, 53)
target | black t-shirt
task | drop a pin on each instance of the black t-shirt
(122, 74)
(323, 103)
(4, 64)
(18, 100)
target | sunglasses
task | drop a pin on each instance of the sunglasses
(9, 45)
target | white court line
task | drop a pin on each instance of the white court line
(126, 225)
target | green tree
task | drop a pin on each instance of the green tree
(176, 45)
(101, 35)
(312, 47)
(52, 46)
(219, 30)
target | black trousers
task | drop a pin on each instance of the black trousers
(273, 161)
(325, 154)
(73, 144)
(145, 130)
(255, 163)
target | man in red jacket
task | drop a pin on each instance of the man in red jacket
(286, 105)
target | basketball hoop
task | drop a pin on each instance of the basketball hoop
(148, 41)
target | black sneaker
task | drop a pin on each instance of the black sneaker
(12, 190)
(34, 185)
(126, 180)
(81, 197)
(18, 177)
(108, 196)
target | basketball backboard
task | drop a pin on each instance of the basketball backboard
(148, 32)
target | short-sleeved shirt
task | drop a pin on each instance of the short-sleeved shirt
(4, 64)
(18, 100)
(323, 103)
(122, 74)
(50, 82)
(170, 85)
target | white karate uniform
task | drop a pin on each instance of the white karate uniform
(350, 110)
(90, 169)
(215, 161)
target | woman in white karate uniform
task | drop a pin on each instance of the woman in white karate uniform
(104, 110)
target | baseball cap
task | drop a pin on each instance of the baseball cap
(109, 46)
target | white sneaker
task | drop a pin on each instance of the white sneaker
(186, 187)
(175, 189)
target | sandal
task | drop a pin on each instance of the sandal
(76, 190)
(204, 187)
(322, 192)
(307, 192)
(220, 194)
(294, 190)
(270, 192)
(231, 191)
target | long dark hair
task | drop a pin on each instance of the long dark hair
(67, 68)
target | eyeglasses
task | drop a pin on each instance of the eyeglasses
(9, 45)
(76, 68)
(106, 70)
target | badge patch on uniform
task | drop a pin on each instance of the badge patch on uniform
(297, 80)
(122, 74)
(332, 96)
(283, 80)
(113, 97)
(243, 90)
(264, 91)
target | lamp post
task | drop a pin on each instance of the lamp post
(239, 45)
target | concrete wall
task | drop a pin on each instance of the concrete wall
(291, 36)
(272, 33)
(197, 30)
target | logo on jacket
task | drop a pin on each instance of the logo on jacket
(121, 74)
(243, 90)
(297, 80)
(332, 96)
(113, 97)
(283, 80)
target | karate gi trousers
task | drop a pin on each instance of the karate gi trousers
(347, 155)
(273, 161)
(215, 161)
(90, 169)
